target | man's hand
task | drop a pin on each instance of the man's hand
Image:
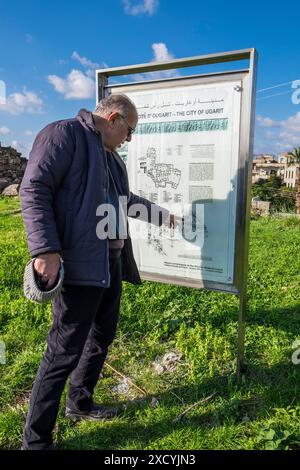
(47, 266)
(172, 221)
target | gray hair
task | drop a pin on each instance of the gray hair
(115, 103)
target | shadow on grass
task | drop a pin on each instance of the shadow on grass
(284, 318)
(278, 389)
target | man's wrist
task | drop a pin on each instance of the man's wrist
(49, 253)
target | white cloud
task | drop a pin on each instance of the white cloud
(4, 130)
(77, 85)
(284, 135)
(266, 121)
(84, 61)
(160, 54)
(139, 8)
(23, 148)
(269, 134)
(292, 124)
(25, 102)
(28, 133)
(88, 64)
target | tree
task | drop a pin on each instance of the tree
(282, 199)
(293, 158)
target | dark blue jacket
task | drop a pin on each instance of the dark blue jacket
(66, 179)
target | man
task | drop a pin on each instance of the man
(73, 169)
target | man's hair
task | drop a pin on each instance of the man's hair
(115, 103)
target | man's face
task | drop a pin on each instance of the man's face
(119, 129)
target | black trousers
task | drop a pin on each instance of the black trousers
(84, 324)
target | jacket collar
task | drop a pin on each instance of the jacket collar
(85, 118)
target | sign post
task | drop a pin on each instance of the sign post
(192, 154)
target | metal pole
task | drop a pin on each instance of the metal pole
(102, 82)
(241, 366)
(231, 56)
(246, 177)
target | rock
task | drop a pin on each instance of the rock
(154, 403)
(158, 368)
(167, 363)
(123, 388)
(12, 166)
(170, 360)
(3, 183)
(263, 207)
(11, 190)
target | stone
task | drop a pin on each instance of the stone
(167, 363)
(260, 207)
(3, 183)
(12, 166)
(170, 360)
(11, 190)
(158, 368)
(123, 388)
(154, 403)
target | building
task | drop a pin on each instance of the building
(291, 176)
(283, 157)
(265, 158)
(266, 165)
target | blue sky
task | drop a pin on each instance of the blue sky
(49, 51)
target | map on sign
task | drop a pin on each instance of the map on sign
(160, 173)
(184, 157)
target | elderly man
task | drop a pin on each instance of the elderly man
(72, 170)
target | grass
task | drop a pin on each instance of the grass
(260, 412)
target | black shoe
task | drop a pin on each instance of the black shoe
(48, 447)
(96, 413)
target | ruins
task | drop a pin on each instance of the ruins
(12, 167)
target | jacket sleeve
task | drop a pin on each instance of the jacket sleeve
(152, 214)
(49, 161)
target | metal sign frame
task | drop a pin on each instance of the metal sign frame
(248, 80)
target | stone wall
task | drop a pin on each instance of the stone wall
(12, 167)
(260, 207)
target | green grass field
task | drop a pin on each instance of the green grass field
(261, 411)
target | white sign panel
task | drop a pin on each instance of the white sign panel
(184, 157)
